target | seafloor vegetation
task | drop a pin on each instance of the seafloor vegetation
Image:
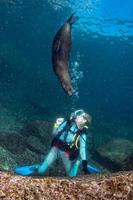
(116, 187)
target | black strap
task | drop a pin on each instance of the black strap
(67, 128)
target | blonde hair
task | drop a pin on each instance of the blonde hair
(88, 117)
(81, 112)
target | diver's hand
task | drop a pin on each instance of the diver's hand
(84, 167)
(58, 122)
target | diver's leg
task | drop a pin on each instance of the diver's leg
(74, 168)
(66, 161)
(50, 158)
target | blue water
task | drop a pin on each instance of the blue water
(101, 61)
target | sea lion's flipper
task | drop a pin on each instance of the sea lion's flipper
(72, 19)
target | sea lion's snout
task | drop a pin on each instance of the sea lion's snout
(68, 88)
(70, 92)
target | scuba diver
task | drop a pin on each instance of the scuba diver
(69, 143)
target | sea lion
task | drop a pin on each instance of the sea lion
(60, 54)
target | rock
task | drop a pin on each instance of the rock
(38, 136)
(27, 158)
(9, 161)
(15, 151)
(116, 187)
(6, 160)
(27, 148)
(115, 155)
(128, 162)
(13, 142)
(35, 145)
(39, 128)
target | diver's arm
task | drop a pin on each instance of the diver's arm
(58, 126)
(83, 156)
(83, 147)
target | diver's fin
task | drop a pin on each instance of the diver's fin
(93, 170)
(72, 19)
(26, 170)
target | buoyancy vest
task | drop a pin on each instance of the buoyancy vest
(71, 148)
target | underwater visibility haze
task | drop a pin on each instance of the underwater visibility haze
(101, 68)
